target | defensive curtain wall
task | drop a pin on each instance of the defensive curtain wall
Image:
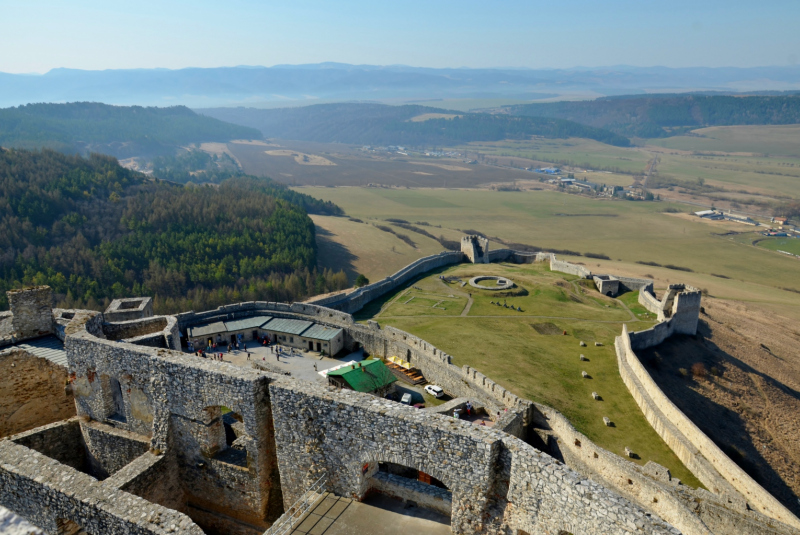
(157, 461)
(288, 433)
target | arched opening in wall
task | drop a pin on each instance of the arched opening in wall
(225, 438)
(68, 527)
(609, 294)
(112, 399)
(408, 355)
(411, 486)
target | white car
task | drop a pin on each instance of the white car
(435, 391)
(406, 399)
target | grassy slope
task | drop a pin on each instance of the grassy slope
(362, 248)
(544, 368)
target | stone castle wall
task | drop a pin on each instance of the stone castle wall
(698, 452)
(32, 310)
(32, 392)
(567, 267)
(498, 482)
(356, 300)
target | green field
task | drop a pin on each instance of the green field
(579, 152)
(770, 140)
(527, 351)
(789, 245)
(627, 232)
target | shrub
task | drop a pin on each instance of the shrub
(699, 370)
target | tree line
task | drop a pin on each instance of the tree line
(95, 231)
(122, 131)
(379, 124)
(654, 116)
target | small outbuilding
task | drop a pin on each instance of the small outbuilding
(368, 376)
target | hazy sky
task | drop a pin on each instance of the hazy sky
(36, 36)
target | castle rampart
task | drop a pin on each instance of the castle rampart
(289, 433)
(698, 452)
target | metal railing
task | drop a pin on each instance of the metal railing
(294, 515)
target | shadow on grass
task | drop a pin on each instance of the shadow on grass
(333, 255)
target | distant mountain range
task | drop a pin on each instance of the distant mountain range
(306, 84)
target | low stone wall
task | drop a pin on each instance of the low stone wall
(153, 477)
(156, 331)
(423, 495)
(649, 301)
(110, 449)
(631, 284)
(32, 392)
(567, 267)
(698, 452)
(30, 480)
(60, 441)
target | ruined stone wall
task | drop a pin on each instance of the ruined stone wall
(473, 461)
(129, 309)
(422, 494)
(157, 331)
(33, 487)
(698, 452)
(153, 477)
(163, 390)
(649, 301)
(32, 392)
(109, 449)
(606, 285)
(567, 267)
(684, 315)
(32, 311)
(60, 441)
(631, 284)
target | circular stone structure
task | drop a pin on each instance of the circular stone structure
(501, 283)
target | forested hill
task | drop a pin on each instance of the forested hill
(378, 124)
(94, 231)
(655, 115)
(121, 131)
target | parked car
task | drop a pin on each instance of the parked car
(435, 391)
(406, 399)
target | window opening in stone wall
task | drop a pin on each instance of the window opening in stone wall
(112, 396)
(226, 436)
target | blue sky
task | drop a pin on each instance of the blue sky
(36, 36)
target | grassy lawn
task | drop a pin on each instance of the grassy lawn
(532, 357)
(790, 245)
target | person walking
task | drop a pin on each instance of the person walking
(315, 366)
(248, 356)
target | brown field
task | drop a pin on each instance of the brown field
(300, 158)
(356, 168)
(363, 248)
